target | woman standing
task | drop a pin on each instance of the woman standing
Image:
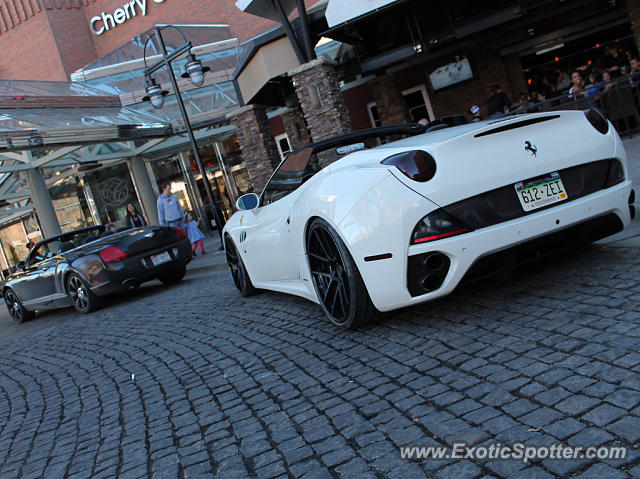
(133, 218)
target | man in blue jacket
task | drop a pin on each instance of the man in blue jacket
(170, 212)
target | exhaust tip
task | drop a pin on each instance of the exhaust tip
(435, 262)
(427, 272)
(431, 282)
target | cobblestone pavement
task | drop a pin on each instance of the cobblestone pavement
(194, 381)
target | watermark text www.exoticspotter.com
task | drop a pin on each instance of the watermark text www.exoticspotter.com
(516, 451)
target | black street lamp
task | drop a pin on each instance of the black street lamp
(155, 94)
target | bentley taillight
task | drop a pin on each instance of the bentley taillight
(437, 225)
(415, 164)
(112, 254)
(180, 233)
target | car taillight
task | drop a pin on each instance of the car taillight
(112, 254)
(416, 164)
(437, 225)
(615, 174)
(597, 120)
(180, 233)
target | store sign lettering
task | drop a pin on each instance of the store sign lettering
(107, 21)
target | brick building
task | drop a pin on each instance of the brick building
(272, 86)
(57, 35)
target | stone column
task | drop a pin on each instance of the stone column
(322, 102)
(42, 201)
(633, 7)
(392, 108)
(144, 189)
(296, 127)
(256, 142)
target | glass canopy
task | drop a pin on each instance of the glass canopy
(133, 49)
(17, 88)
(39, 113)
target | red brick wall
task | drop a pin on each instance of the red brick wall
(277, 126)
(73, 38)
(170, 11)
(356, 99)
(29, 52)
(633, 7)
(489, 69)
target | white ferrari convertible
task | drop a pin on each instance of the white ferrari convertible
(361, 226)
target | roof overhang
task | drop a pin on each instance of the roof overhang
(268, 61)
(86, 135)
(339, 11)
(266, 8)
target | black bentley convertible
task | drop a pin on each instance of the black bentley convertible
(80, 267)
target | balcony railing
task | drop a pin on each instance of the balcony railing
(618, 99)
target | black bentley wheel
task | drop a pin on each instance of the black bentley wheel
(82, 298)
(17, 311)
(173, 276)
(238, 271)
(336, 279)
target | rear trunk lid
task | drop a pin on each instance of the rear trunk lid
(150, 238)
(504, 153)
(132, 242)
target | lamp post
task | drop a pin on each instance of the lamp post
(155, 94)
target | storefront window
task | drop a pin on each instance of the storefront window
(216, 180)
(112, 189)
(168, 170)
(14, 244)
(70, 204)
(229, 182)
(232, 155)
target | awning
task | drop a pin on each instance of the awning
(36, 114)
(23, 129)
(266, 8)
(340, 11)
(268, 61)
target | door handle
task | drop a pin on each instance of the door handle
(288, 220)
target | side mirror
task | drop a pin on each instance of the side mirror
(249, 201)
(20, 265)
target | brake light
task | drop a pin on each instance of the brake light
(112, 254)
(597, 120)
(416, 164)
(437, 225)
(180, 233)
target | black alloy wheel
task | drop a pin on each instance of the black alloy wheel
(17, 311)
(81, 296)
(238, 271)
(336, 279)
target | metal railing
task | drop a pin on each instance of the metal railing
(618, 100)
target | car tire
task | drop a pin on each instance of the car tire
(174, 276)
(17, 312)
(336, 279)
(238, 270)
(82, 298)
